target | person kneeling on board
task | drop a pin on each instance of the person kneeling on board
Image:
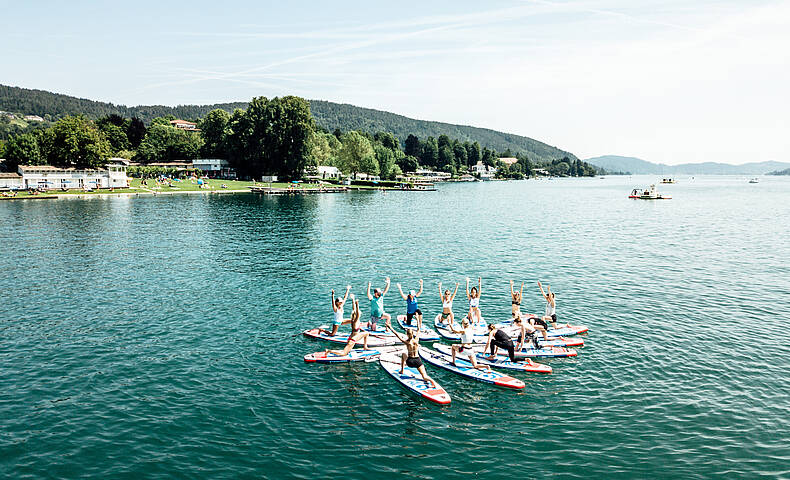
(411, 358)
(499, 339)
(528, 330)
(467, 340)
(412, 309)
(337, 305)
(356, 332)
(377, 305)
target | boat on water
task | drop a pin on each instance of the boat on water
(754, 180)
(668, 180)
(648, 194)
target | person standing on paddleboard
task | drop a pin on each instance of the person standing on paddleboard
(411, 358)
(337, 306)
(377, 305)
(499, 339)
(551, 307)
(356, 332)
(515, 301)
(465, 347)
(474, 301)
(447, 304)
(412, 309)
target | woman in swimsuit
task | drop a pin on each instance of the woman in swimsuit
(447, 304)
(551, 305)
(528, 329)
(474, 301)
(356, 332)
(337, 306)
(465, 347)
(515, 301)
(411, 358)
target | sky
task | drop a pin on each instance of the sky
(666, 81)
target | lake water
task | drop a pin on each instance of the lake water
(160, 337)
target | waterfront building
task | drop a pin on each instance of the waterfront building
(47, 177)
(508, 160)
(485, 172)
(215, 167)
(325, 172)
(433, 175)
(176, 165)
(10, 181)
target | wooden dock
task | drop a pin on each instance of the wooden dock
(296, 191)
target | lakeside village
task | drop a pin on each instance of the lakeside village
(274, 146)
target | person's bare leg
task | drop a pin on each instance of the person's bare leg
(425, 376)
(454, 348)
(477, 365)
(402, 362)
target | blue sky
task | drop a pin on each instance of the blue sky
(667, 81)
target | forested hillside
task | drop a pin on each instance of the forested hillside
(328, 115)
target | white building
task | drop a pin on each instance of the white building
(48, 177)
(10, 181)
(365, 176)
(325, 171)
(436, 176)
(485, 172)
(184, 125)
(214, 167)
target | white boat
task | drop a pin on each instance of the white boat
(754, 180)
(648, 194)
(668, 180)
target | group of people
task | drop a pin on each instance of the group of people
(497, 338)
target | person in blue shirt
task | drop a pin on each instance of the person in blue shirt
(412, 309)
(377, 305)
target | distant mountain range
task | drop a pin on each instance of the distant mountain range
(636, 166)
(328, 115)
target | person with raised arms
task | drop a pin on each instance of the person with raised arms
(515, 301)
(411, 358)
(474, 301)
(551, 305)
(447, 304)
(499, 339)
(377, 305)
(466, 345)
(356, 334)
(412, 309)
(337, 305)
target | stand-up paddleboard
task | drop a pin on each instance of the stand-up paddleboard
(515, 331)
(426, 334)
(437, 322)
(465, 369)
(479, 336)
(544, 352)
(373, 340)
(500, 362)
(354, 355)
(563, 331)
(412, 380)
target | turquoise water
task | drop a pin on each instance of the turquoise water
(159, 337)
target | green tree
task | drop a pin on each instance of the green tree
(388, 140)
(473, 154)
(76, 142)
(166, 144)
(357, 155)
(135, 132)
(412, 146)
(459, 151)
(214, 128)
(386, 162)
(22, 150)
(287, 138)
(430, 153)
(446, 158)
(116, 135)
(408, 164)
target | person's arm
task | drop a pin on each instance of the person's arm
(456, 291)
(401, 292)
(441, 295)
(386, 288)
(523, 336)
(479, 285)
(467, 288)
(420, 291)
(334, 307)
(345, 297)
(488, 341)
(541, 291)
(549, 296)
(398, 335)
(521, 292)
(512, 293)
(370, 297)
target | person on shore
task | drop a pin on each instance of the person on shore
(465, 347)
(499, 339)
(412, 309)
(551, 305)
(411, 358)
(474, 301)
(356, 334)
(515, 300)
(447, 304)
(377, 305)
(337, 307)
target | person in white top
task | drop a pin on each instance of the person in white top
(551, 305)
(466, 345)
(337, 307)
(447, 304)
(474, 301)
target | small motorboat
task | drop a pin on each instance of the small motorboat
(754, 180)
(648, 194)
(668, 180)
